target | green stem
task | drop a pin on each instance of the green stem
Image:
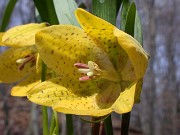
(108, 125)
(125, 123)
(7, 14)
(44, 108)
(56, 121)
(45, 120)
(52, 124)
(69, 124)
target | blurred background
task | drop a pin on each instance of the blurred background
(159, 110)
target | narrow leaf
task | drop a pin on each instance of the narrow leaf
(65, 11)
(138, 29)
(104, 9)
(47, 11)
(130, 21)
(7, 14)
(123, 14)
(118, 5)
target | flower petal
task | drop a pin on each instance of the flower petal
(61, 46)
(102, 32)
(138, 91)
(22, 35)
(90, 98)
(81, 106)
(137, 55)
(23, 87)
(99, 104)
(57, 89)
(9, 67)
(99, 29)
(125, 101)
(1, 35)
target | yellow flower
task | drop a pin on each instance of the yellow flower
(99, 67)
(18, 63)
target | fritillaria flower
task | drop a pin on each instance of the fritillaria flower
(19, 62)
(99, 67)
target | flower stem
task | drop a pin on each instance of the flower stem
(56, 121)
(45, 120)
(108, 125)
(102, 129)
(52, 124)
(44, 108)
(125, 123)
(69, 124)
(95, 127)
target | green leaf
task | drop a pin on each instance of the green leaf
(65, 11)
(123, 14)
(138, 29)
(118, 5)
(7, 14)
(105, 9)
(47, 11)
(130, 21)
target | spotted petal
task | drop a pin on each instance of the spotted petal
(100, 30)
(1, 35)
(125, 101)
(61, 46)
(138, 91)
(102, 33)
(9, 68)
(23, 87)
(105, 34)
(83, 106)
(94, 97)
(136, 53)
(22, 35)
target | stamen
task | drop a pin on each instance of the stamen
(25, 60)
(84, 78)
(90, 71)
(19, 61)
(81, 65)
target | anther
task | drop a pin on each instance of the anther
(25, 60)
(90, 70)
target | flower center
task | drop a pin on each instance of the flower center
(92, 71)
(27, 59)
